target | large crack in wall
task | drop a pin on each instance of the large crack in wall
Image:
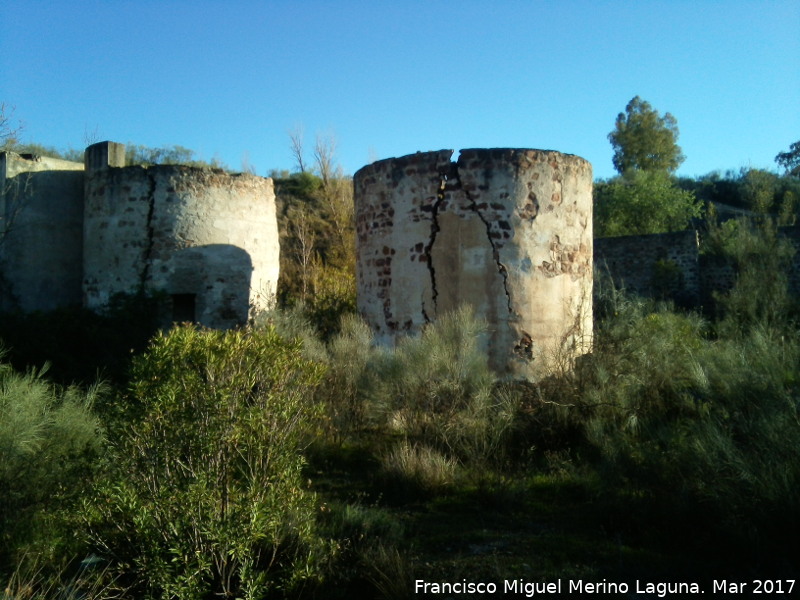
(449, 188)
(435, 229)
(149, 229)
(501, 268)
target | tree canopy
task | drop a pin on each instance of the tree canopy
(645, 141)
(642, 202)
(790, 160)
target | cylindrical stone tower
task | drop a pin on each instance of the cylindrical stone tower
(507, 231)
(206, 238)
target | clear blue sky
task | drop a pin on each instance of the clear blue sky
(229, 79)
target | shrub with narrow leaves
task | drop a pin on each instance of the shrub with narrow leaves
(208, 498)
(50, 441)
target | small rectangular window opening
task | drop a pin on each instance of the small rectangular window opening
(183, 308)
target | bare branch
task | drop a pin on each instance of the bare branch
(90, 136)
(8, 134)
(324, 153)
(301, 227)
(336, 191)
(296, 146)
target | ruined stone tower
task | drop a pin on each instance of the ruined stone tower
(72, 234)
(507, 231)
(206, 238)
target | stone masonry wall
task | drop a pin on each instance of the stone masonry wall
(664, 263)
(507, 231)
(670, 265)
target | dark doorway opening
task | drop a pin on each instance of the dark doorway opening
(183, 308)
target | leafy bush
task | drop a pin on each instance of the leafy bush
(350, 354)
(334, 298)
(747, 450)
(347, 356)
(49, 445)
(208, 496)
(642, 202)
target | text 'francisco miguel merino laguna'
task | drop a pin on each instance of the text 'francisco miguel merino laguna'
(530, 589)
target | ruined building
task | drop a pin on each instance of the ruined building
(77, 234)
(506, 231)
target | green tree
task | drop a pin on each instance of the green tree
(642, 202)
(761, 259)
(790, 160)
(758, 189)
(644, 140)
(764, 193)
(644, 198)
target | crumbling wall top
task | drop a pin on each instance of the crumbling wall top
(443, 158)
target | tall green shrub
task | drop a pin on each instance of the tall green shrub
(760, 258)
(208, 497)
(642, 202)
(49, 445)
(349, 354)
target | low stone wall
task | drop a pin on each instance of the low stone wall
(665, 264)
(670, 266)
